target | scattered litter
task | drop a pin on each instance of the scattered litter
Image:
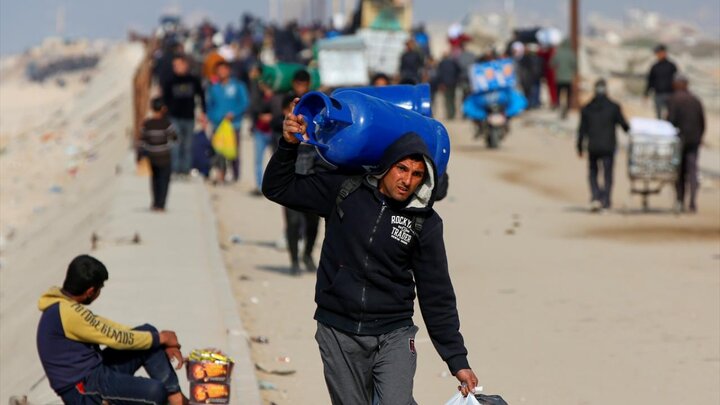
(262, 369)
(516, 224)
(510, 231)
(266, 385)
(260, 339)
(94, 239)
(255, 300)
(243, 277)
(18, 400)
(56, 189)
(283, 359)
(444, 374)
(135, 240)
(235, 239)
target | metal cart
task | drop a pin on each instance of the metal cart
(653, 157)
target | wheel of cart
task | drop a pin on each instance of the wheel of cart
(653, 157)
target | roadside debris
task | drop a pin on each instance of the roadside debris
(266, 385)
(263, 340)
(262, 369)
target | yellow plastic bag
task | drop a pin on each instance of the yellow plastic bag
(224, 141)
(142, 168)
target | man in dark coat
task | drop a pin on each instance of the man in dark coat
(298, 224)
(383, 243)
(660, 81)
(685, 112)
(448, 76)
(411, 63)
(598, 120)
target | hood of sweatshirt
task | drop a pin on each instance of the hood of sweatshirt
(52, 296)
(410, 144)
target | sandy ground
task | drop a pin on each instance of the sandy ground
(557, 305)
(44, 240)
(49, 134)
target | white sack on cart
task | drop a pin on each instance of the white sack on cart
(651, 127)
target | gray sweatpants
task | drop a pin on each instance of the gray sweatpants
(368, 370)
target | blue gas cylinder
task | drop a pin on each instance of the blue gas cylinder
(352, 129)
(408, 96)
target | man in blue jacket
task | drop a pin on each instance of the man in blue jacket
(227, 99)
(382, 241)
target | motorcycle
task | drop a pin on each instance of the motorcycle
(491, 113)
(494, 100)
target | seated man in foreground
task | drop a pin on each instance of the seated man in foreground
(69, 338)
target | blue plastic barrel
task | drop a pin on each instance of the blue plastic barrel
(352, 129)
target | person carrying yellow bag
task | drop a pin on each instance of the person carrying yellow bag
(227, 101)
(225, 145)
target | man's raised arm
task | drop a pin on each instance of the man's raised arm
(313, 193)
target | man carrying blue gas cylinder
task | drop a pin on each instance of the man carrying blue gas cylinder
(383, 242)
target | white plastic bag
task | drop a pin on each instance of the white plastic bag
(459, 400)
(651, 127)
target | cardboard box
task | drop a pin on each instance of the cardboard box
(209, 393)
(207, 371)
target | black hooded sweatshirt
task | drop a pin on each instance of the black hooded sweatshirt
(372, 261)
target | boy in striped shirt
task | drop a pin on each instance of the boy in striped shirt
(155, 143)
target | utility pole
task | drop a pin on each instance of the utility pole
(575, 44)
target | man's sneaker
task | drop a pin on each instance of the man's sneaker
(295, 269)
(309, 264)
(595, 206)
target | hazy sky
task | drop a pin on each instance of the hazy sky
(24, 23)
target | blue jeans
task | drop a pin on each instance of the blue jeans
(114, 379)
(182, 149)
(262, 141)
